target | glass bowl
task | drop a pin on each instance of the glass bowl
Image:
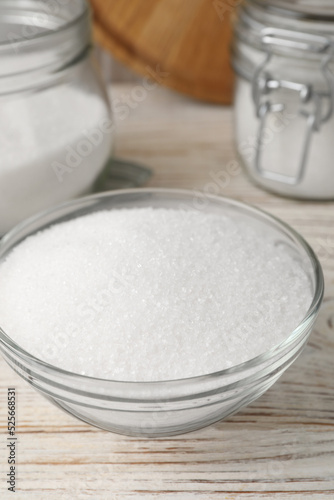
(164, 408)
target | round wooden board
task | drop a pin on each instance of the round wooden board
(183, 44)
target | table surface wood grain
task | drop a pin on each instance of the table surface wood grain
(279, 447)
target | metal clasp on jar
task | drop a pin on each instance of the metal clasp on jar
(316, 107)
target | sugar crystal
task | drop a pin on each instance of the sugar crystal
(148, 294)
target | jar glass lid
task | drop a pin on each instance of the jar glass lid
(35, 35)
(295, 25)
(322, 10)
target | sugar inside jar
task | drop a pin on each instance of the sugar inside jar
(55, 123)
(283, 56)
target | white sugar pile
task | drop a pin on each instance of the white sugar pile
(151, 294)
(52, 148)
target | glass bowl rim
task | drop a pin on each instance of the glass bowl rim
(16, 349)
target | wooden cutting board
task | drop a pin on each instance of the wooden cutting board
(183, 44)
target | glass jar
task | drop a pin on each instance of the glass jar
(55, 122)
(283, 56)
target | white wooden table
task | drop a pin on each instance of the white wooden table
(280, 447)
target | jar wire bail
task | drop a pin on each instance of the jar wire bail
(264, 85)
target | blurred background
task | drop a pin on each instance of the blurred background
(186, 39)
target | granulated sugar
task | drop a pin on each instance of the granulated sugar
(53, 145)
(151, 294)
